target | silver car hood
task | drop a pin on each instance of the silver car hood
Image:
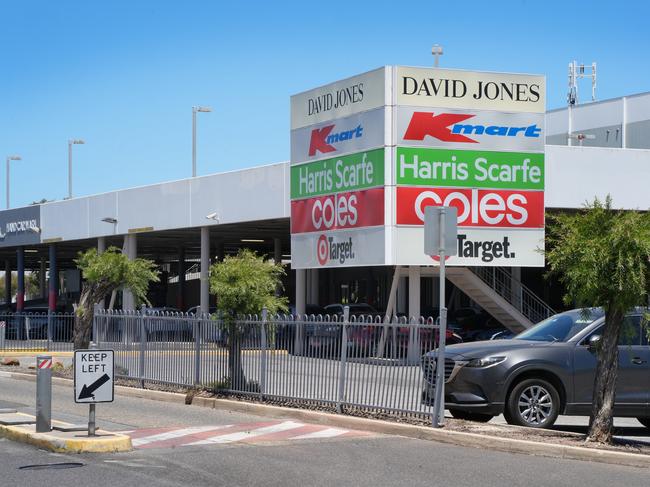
(488, 347)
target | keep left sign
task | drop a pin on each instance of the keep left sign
(94, 376)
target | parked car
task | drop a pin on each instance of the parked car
(503, 335)
(32, 324)
(285, 333)
(545, 371)
(211, 330)
(166, 324)
(356, 309)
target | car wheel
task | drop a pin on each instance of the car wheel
(534, 403)
(644, 421)
(469, 416)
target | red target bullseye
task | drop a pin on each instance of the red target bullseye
(322, 250)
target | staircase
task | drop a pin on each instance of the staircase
(502, 296)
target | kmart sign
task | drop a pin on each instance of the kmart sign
(363, 168)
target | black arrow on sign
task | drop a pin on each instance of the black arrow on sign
(88, 391)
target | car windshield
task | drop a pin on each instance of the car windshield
(561, 327)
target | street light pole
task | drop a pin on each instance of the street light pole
(71, 142)
(10, 158)
(194, 110)
(436, 50)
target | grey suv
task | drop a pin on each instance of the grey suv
(547, 370)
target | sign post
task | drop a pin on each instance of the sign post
(94, 380)
(440, 235)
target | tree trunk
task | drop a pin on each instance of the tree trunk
(237, 376)
(601, 420)
(83, 322)
(91, 293)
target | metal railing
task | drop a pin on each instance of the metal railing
(36, 331)
(514, 292)
(360, 362)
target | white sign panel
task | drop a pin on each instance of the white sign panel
(469, 129)
(340, 99)
(94, 376)
(432, 87)
(343, 248)
(476, 247)
(432, 230)
(355, 133)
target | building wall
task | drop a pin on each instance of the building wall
(607, 120)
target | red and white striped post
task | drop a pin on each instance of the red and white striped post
(43, 393)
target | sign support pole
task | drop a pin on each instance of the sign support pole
(91, 411)
(439, 404)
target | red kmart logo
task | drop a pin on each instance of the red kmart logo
(446, 127)
(323, 140)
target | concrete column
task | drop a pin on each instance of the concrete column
(220, 252)
(205, 270)
(180, 298)
(101, 248)
(42, 285)
(401, 295)
(277, 250)
(313, 288)
(8, 293)
(53, 284)
(20, 267)
(131, 251)
(414, 292)
(301, 278)
(277, 258)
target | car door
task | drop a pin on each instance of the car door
(633, 382)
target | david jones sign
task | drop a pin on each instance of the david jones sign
(363, 170)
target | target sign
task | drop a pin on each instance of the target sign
(322, 250)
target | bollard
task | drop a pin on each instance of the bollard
(3, 332)
(43, 394)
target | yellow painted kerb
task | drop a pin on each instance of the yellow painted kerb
(101, 444)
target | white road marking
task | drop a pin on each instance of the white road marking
(245, 435)
(326, 433)
(169, 435)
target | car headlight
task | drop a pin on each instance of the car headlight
(484, 362)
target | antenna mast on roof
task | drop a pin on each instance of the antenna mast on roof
(576, 72)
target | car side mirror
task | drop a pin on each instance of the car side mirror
(594, 342)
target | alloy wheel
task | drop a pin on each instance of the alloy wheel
(535, 405)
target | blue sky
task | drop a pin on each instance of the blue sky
(123, 75)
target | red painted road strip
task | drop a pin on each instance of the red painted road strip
(248, 433)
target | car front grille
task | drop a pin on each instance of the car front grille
(429, 369)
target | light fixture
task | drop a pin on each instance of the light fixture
(196, 109)
(252, 240)
(436, 50)
(31, 251)
(581, 137)
(109, 219)
(213, 216)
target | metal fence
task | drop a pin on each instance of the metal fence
(36, 331)
(357, 362)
